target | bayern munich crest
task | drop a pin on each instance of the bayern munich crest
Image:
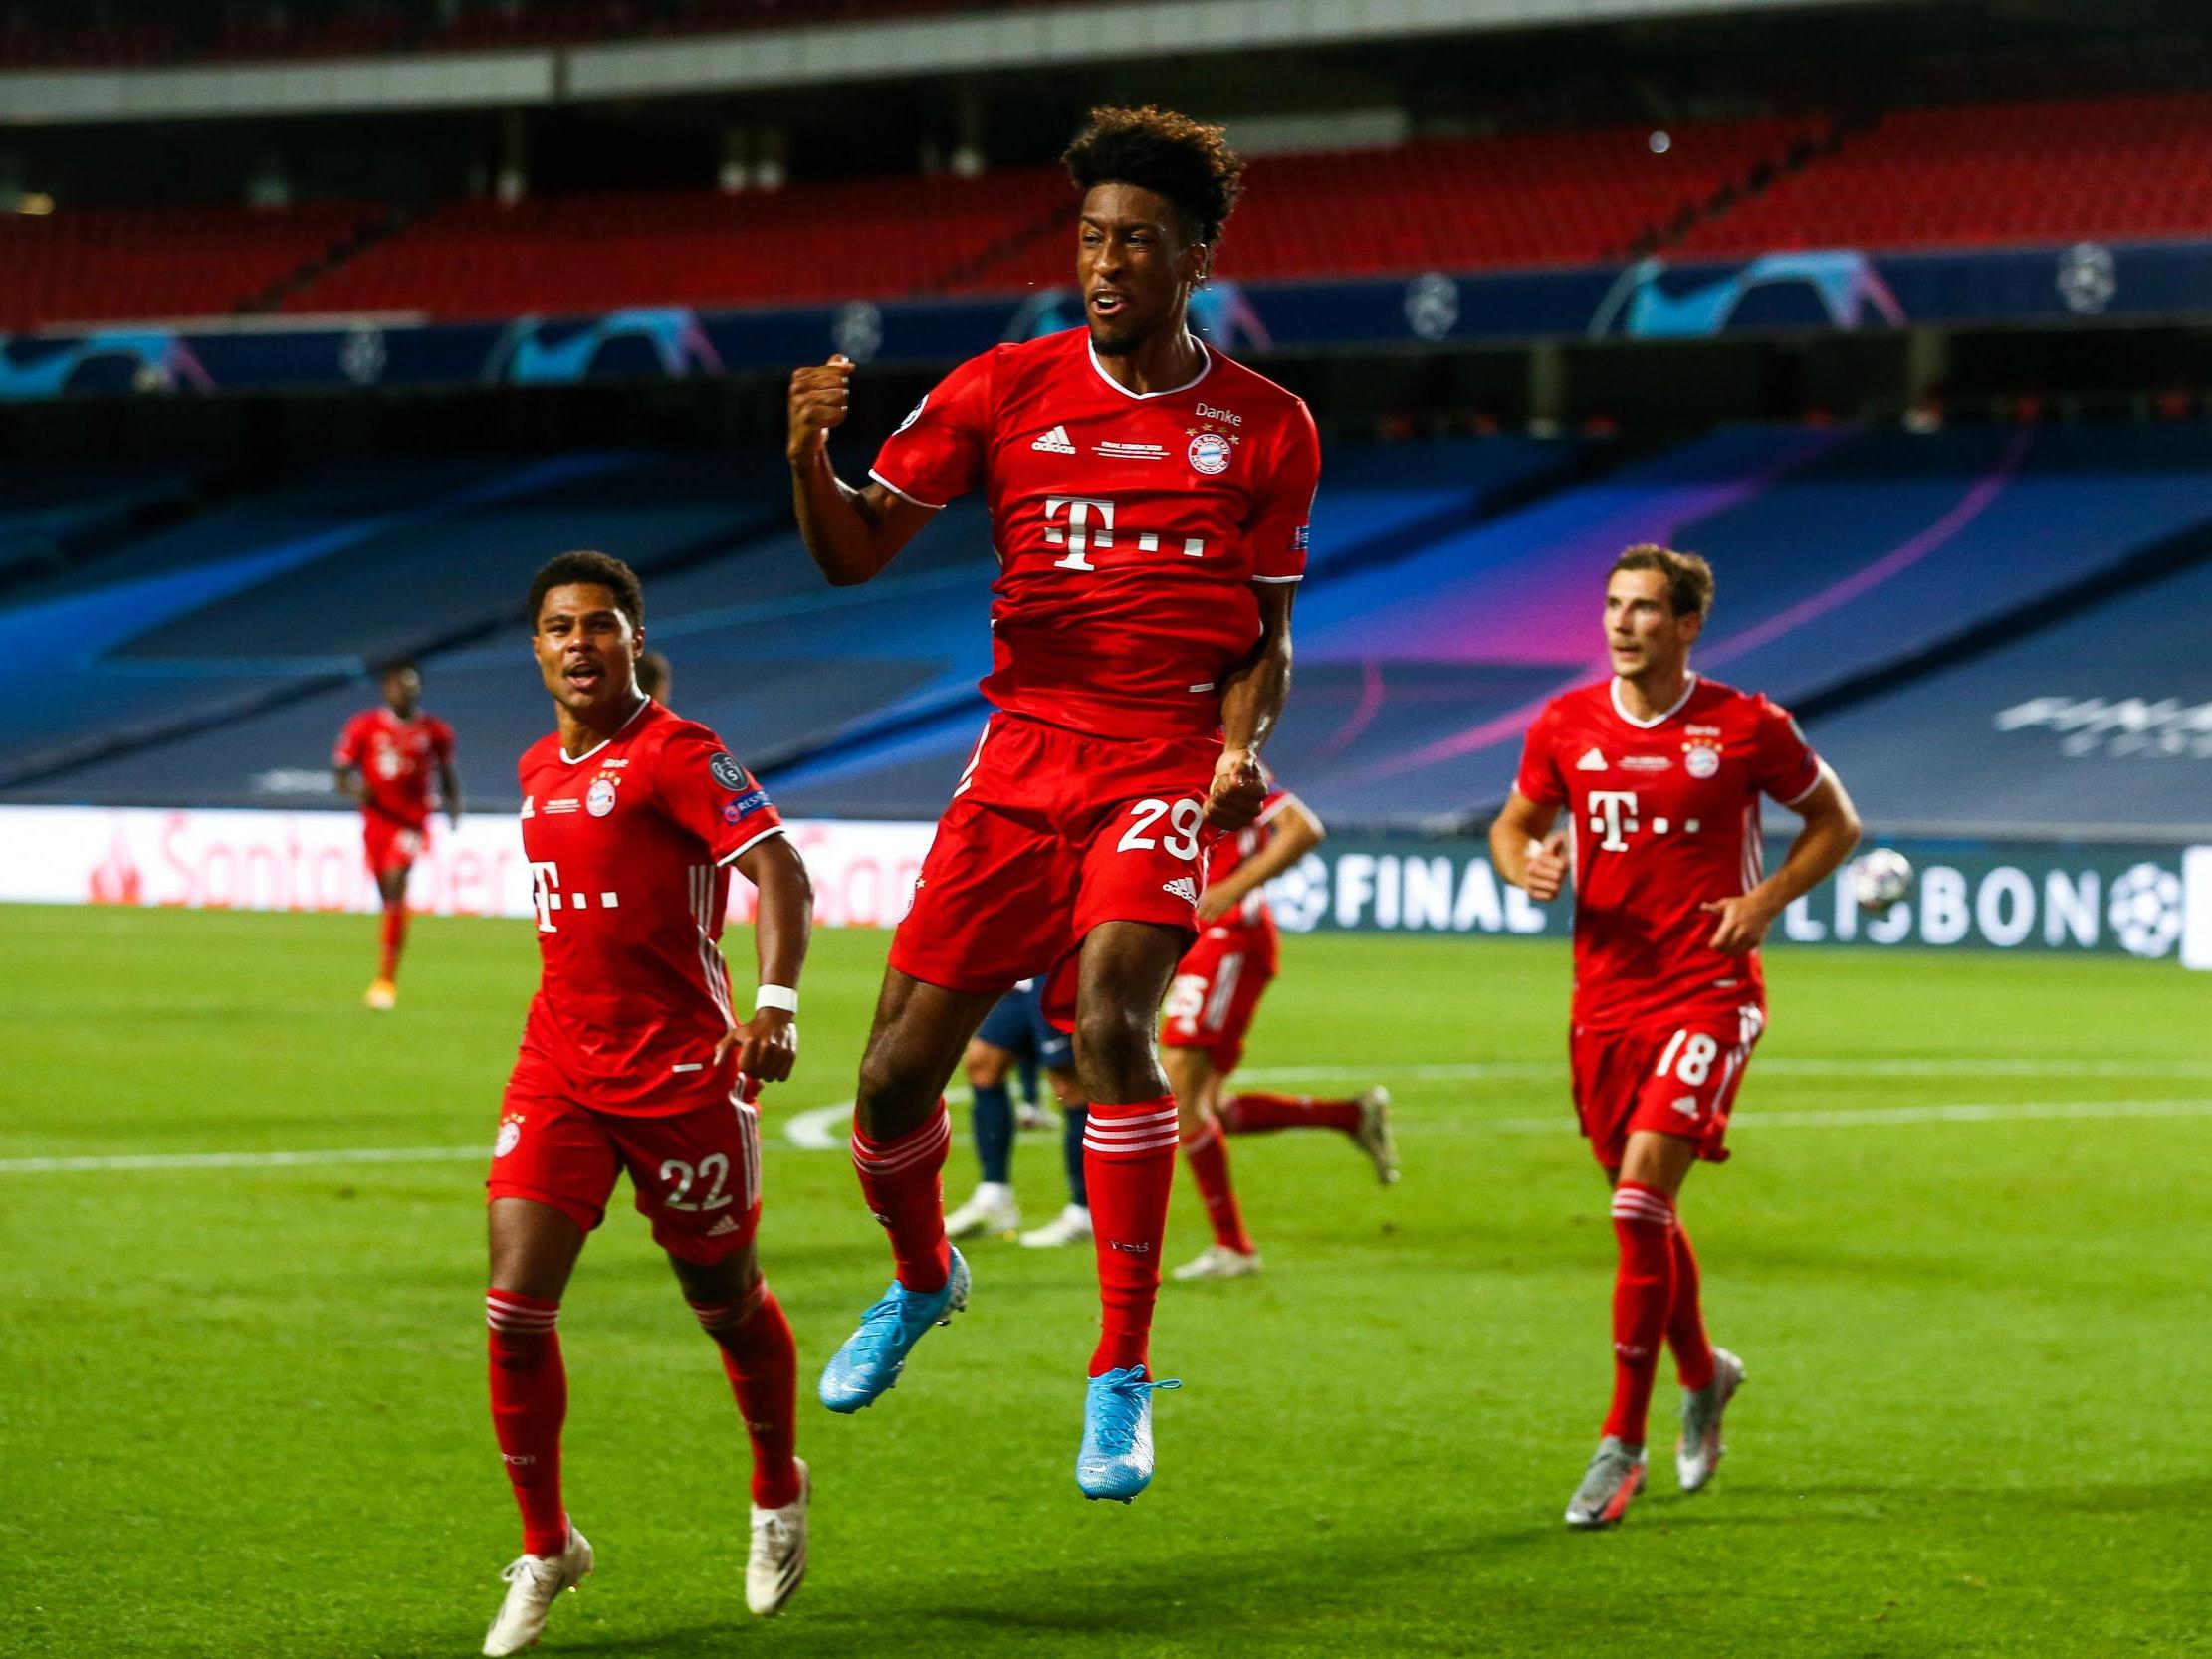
(510, 1133)
(1702, 761)
(1209, 453)
(600, 802)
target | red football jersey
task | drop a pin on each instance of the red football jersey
(1129, 527)
(1662, 816)
(629, 847)
(1231, 850)
(397, 760)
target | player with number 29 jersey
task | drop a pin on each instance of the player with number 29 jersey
(1130, 528)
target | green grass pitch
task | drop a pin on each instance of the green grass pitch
(242, 1408)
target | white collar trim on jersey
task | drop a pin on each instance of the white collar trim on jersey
(643, 704)
(1207, 368)
(1621, 708)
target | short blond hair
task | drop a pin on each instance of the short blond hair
(1690, 579)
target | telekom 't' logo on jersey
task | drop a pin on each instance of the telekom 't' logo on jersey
(1081, 524)
(545, 878)
(1613, 817)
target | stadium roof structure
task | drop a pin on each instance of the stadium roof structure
(962, 43)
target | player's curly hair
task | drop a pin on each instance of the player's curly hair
(1690, 579)
(1169, 154)
(597, 568)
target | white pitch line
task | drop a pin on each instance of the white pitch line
(241, 1161)
(1969, 1112)
(823, 1129)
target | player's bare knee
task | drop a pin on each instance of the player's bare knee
(1113, 1050)
(986, 1064)
(896, 1092)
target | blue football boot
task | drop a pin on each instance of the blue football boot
(874, 1354)
(1116, 1459)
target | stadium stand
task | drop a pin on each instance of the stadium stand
(1549, 198)
(572, 254)
(2089, 722)
(1535, 198)
(1840, 556)
(105, 265)
(268, 596)
(1452, 591)
(2044, 171)
(55, 512)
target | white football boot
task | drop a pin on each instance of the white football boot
(1072, 1226)
(1615, 1475)
(991, 1210)
(1218, 1261)
(1374, 1135)
(1697, 1453)
(532, 1584)
(777, 1565)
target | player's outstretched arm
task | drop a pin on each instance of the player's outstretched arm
(1526, 849)
(851, 534)
(1295, 831)
(1252, 697)
(1830, 832)
(768, 1043)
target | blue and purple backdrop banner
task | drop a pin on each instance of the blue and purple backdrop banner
(1834, 289)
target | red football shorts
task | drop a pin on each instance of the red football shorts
(389, 846)
(1215, 992)
(1050, 833)
(1679, 1080)
(695, 1174)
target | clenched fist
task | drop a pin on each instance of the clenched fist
(1545, 873)
(820, 399)
(1238, 791)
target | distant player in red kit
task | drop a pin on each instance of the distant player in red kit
(1660, 774)
(1149, 500)
(384, 758)
(634, 1060)
(1211, 1007)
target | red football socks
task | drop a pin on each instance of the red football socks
(394, 940)
(1208, 1155)
(761, 1362)
(1129, 1167)
(1259, 1114)
(1642, 1295)
(1685, 1322)
(529, 1400)
(903, 1182)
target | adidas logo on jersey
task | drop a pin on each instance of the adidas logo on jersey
(1591, 761)
(1183, 887)
(1055, 442)
(728, 1224)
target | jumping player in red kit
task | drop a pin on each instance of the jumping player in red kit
(1211, 1007)
(634, 1059)
(384, 758)
(1149, 500)
(1660, 774)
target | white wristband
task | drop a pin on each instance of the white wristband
(776, 996)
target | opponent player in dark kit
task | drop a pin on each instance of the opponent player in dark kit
(633, 1059)
(1149, 500)
(1659, 774)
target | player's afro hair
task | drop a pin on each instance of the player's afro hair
(596, 568)
(1169, 154)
